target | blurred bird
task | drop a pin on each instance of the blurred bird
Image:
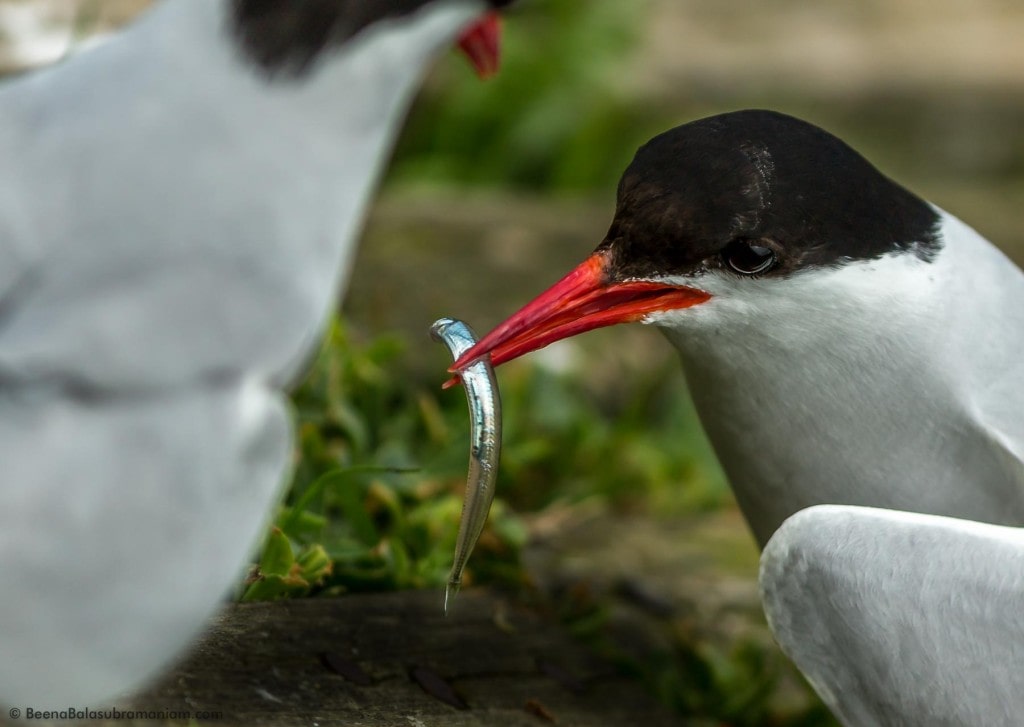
(844, 341)
(178, 211)
(899, 618)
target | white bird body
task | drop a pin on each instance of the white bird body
(163, 179)
(121, 540)
(900, 618)
(846, 344)
(175, 227)
(894, 383)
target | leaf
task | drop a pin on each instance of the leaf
(315, 564)
(277, 557)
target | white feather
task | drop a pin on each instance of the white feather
(899, 618)
(174, 231)
(161, 182)
(894, 383)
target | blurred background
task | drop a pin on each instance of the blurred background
(611, 512)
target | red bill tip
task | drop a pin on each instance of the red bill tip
(481, 42)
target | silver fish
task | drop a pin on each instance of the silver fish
(484, 446)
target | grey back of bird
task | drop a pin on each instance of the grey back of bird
(899, 618)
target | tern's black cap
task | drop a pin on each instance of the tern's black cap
(765, 179)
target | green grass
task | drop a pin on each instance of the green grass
(382, 459)
(376, 495)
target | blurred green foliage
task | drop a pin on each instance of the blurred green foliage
(747, 684)
(380, 471)
(382, 461)
(557, 117)
(637, 450)
(377, 491)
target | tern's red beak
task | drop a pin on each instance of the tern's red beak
(581, 301)
(481, 42)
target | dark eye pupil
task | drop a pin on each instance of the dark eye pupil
(747, 258)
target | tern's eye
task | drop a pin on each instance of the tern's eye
(747, 258)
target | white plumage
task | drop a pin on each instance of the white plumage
(175, 227)
(898, 618)
(895, 383)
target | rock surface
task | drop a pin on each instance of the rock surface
(394, 659)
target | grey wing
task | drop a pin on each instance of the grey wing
(898, 618)
(123, 521)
